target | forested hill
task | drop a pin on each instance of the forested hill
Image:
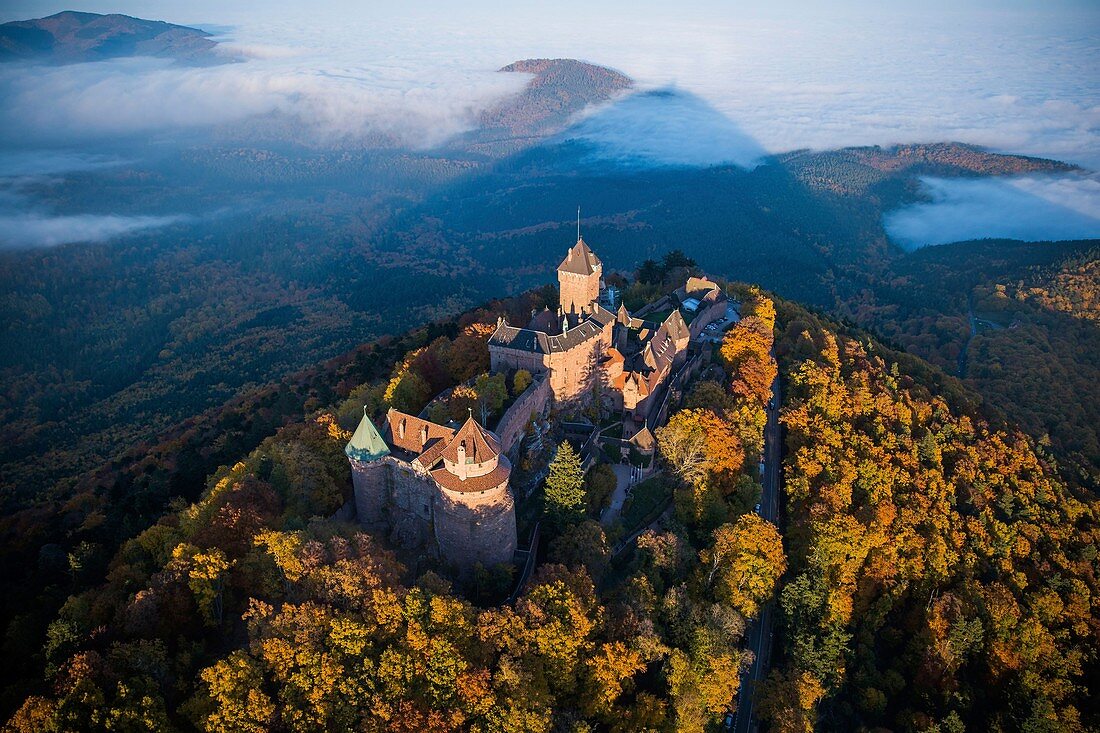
(71, 37)
(559, 89)
(860, 170)
(940, 572)
(942, 577)
(1017, 322)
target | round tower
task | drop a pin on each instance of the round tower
(366, 451)
(475, 517)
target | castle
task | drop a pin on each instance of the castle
(589, 353)
(430, 485)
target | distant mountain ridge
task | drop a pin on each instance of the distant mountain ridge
(72, 37)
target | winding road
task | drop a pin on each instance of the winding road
(760, 631)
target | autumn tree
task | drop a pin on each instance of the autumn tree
(789, 702)
(599, 485)
(521, 381)
(697, 442)
(744, 563)
(233, 699)
(204, 572)
(582, 545)
(491, 394)
(746, 355)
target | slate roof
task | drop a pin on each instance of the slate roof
(526, 339)
(644, 439)
(546, 321)
(675, 327)
(580, 260)
(366, 444)
(623, 315)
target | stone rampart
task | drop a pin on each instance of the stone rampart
(513, 423)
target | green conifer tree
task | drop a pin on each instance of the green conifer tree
(565, 486)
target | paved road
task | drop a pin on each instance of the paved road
(760, 631)
(618, 496)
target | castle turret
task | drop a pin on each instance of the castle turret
(579, 280)
(365, 451)
(475, 518)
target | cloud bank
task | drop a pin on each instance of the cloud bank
(1021, 77)
(1029, 208)
(24, 231)
(751, 77)
(142, 96)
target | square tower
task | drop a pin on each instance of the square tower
(579, 281)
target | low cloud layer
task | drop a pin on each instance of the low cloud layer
(41, 105)
(751, 78)
(28, 231)
(1030, 209)
(1020, 78)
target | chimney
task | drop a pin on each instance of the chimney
(401, 429)
(423, 434)
(462, 460)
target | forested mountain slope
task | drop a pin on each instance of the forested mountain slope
(941, 572)
(1017, 322)
(72, 37)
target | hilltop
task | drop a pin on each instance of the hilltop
(931, 555)
(71, 37)
(559, 90)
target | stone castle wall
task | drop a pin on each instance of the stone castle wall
(573, 373)
(410, 505)
(391, 496)
(476, 526)
(513, 422)
(502, 360)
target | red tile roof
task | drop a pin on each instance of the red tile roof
(480, 444)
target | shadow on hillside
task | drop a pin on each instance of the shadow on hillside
(636, 170)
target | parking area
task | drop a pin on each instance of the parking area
(713, 331)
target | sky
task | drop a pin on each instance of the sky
(755, 78)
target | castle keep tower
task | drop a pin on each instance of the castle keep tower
(579, 282)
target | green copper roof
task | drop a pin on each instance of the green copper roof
(366, 444)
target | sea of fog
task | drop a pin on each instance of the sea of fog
(1029, 208)
(747, 78)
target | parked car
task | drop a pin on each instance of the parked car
(756, 508)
